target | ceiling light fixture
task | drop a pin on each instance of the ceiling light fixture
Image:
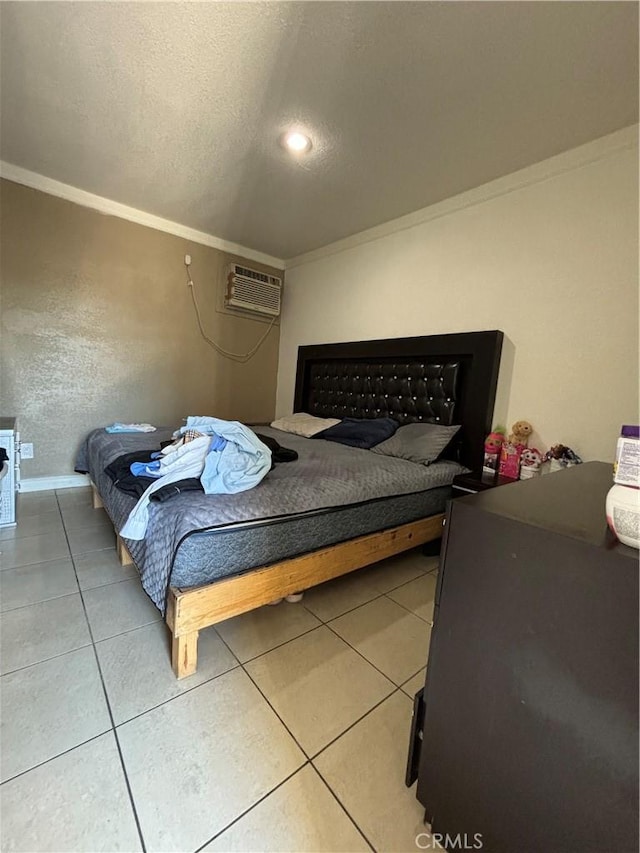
(296, 142)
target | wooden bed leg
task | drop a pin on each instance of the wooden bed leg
(95, 497)
(123, 552)
(184, 654)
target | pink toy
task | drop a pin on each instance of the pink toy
(492, 447)
(510, 460)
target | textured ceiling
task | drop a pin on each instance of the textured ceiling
(176, 108)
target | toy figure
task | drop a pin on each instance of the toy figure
(510, 460)
(560, 456)
(530, 463)
(492, 447)
(520, 432)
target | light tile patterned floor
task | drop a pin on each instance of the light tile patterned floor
(292, 735)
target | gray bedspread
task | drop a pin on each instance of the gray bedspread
(325, 475)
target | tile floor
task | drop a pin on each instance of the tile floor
(292, 735)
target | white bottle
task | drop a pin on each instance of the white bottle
(623, 499)
(623, 514)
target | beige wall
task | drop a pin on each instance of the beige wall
(550, 256)
(98, 325)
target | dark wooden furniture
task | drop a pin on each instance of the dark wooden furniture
(530, 730)
(478, 481)
(464, 485)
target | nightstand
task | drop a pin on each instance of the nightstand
(463, 485)
(477, 481)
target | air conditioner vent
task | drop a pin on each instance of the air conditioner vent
(250, 290)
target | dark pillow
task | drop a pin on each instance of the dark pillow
(421, 443)
(360, 432)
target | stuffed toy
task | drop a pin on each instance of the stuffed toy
(561, 456)
(530, 463)
(520, 432)
(492, 447)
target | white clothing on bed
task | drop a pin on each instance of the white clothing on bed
(239, 465)
(186, 461)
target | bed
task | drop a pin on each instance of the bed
(206, 558)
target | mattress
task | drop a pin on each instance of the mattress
(330, 494)
(237, 550)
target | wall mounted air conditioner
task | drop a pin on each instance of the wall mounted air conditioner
(250, 290)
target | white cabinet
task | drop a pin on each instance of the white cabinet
(9, 472)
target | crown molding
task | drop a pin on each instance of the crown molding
(113, 208)
(568, 161)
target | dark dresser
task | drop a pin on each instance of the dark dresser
(528, 723)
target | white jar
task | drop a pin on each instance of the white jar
(623, 514)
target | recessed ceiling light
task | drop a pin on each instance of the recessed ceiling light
(296, 142)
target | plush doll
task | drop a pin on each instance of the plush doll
(561, 456)
(530, 463)
(520, 432)
(492, 447)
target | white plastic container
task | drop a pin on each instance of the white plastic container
(9, 473)
(623, 499)
(626, 471)
(623, 514)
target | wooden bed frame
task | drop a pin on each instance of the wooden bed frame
(478, 356)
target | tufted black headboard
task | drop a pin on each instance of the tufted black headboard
(447, 379)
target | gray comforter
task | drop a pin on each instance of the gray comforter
(325, 475)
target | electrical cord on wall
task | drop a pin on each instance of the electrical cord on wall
(242, 358)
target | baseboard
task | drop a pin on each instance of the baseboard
(41, 484)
